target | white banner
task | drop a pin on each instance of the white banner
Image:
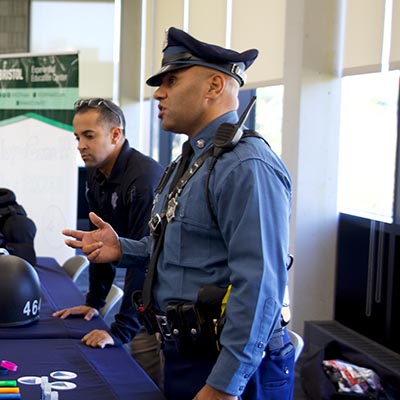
(38, 156)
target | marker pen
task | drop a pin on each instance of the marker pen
(8, 383)
(9, 389)
(9, 365)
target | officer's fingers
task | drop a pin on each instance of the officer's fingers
(94, 254)
(96, 220)
(77, 310)
(90, 247)
(105, 339)
(62, 313)
(97, 338)
(91, 313)
(73, 233)
(75, 244)
(104, 342)
(58, 313)
(88, 338)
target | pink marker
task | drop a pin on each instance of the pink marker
(9, 365)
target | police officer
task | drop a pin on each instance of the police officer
(120, 185)
(224, 224)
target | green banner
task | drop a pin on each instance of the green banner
(44, 84)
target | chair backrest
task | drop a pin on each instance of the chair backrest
(112, 298)
(75, 265)
(297, 342)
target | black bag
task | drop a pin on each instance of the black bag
(17, 231)
(317, 385)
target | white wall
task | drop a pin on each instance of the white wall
(37, 161)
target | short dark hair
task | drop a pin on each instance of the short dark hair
(108, 111)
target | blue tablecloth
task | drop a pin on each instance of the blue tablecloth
(58, 291)
(101, 374)
(52, 344)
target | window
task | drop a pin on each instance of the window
(368, 136)
(68, 28)
(60, 26)
(269, 109)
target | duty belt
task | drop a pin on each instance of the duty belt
(192, 330)
(168, 333)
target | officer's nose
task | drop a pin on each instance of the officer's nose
(158, 93)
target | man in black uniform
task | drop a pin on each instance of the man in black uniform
(120, 187)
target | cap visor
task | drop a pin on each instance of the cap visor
(156, 79)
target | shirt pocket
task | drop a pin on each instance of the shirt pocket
(192, 239)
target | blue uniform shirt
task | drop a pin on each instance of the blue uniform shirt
(246, 245)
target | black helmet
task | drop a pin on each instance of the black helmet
(19, 292)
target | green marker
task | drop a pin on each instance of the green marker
(8, 383)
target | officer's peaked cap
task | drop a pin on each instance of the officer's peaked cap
(182, 50)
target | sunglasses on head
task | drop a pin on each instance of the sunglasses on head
(96, 103)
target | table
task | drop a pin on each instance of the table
(52, 344)
(58, 291)
(102, 374)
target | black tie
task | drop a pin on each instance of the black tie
(187, 152)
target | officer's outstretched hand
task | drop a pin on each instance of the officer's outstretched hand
(209, 393)
(101, 245)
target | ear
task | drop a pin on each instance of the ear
(116, 134)
(216, 84)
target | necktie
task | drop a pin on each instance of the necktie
(187, 152)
